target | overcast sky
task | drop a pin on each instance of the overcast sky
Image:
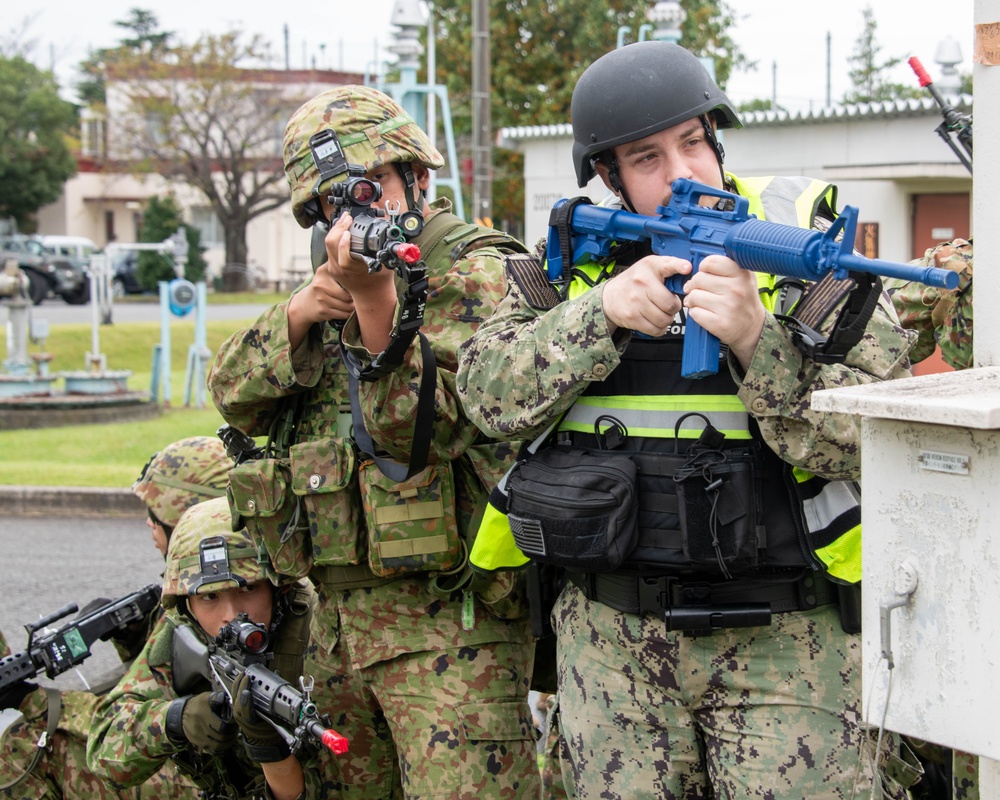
(354, 34)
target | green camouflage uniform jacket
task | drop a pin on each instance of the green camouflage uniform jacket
(128, 742)
(554, 354)
(939, 316)
(255, 370)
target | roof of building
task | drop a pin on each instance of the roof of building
(891, 109)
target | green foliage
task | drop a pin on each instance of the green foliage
(760, 104)
(194, 269)
(869, 72)
(145, 38)
(538, 51)
(160, 220)
(35, 159)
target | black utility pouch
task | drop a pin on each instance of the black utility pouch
(574, 508)
(718, 509)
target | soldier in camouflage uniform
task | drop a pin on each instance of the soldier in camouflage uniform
(671, 682)
(40, 760)
(142, 724)
(424, 671)
(183, 473)
(940, 316)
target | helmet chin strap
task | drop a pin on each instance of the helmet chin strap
(713, 139)
(413, 195)
(614, 178)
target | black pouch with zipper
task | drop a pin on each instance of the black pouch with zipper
(574, 508)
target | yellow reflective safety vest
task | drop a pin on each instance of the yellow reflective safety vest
(805, 520)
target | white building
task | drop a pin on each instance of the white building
(105, 202)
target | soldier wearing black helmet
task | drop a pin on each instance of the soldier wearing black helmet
(715, 654)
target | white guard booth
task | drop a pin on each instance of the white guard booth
(931, 502)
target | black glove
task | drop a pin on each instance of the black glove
(263, 742)
(14, 696)
(200, 721)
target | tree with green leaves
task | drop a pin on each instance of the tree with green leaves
(35, 125)
(161, 219)
(145, 38)
(200, 115)
(538, 51)
(869, 72)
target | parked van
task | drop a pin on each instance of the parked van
(78, 247)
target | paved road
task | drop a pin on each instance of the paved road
(59, 313)
(47, 562)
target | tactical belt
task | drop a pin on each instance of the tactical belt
(694, 606)
(352, 576)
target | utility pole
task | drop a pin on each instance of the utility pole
(482, 133)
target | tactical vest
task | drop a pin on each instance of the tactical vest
(645, 408)
(312, 512)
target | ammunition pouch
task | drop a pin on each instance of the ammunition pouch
(412, 525)
(300, 504)
(602, 510)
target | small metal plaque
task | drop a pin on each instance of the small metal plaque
(944, 462)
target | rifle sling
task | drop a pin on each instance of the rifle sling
(54, 711)
(861, 290)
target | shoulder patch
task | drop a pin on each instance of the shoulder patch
(526, 271)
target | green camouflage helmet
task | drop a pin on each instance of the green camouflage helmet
(183, 473)
(372, 128)
(206, 555)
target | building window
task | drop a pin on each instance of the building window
(109, 226)
(203, 218)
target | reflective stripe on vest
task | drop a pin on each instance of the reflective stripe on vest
(656, 417)
(832, 513)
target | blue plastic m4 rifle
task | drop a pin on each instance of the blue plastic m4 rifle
(686, 228)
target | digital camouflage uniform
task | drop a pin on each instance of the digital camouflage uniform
(423, 675)
(647, 712)
(940, 316)
(128, 744)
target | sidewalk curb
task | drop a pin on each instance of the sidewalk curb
(69, 501)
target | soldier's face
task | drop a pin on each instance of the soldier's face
(648, 166)
(158, 535)
(213, 610)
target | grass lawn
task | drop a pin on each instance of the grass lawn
(112, 455)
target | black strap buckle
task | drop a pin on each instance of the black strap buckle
(695, 613)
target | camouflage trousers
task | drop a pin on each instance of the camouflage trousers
(447, 723)
(744, 713)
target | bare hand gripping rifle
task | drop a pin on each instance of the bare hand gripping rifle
(687, 229)
(955, 124)
(56, 651)
(241, 647)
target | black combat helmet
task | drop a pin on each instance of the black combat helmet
(636, 91)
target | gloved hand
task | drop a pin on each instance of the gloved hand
(202, 720)
(263, 742)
